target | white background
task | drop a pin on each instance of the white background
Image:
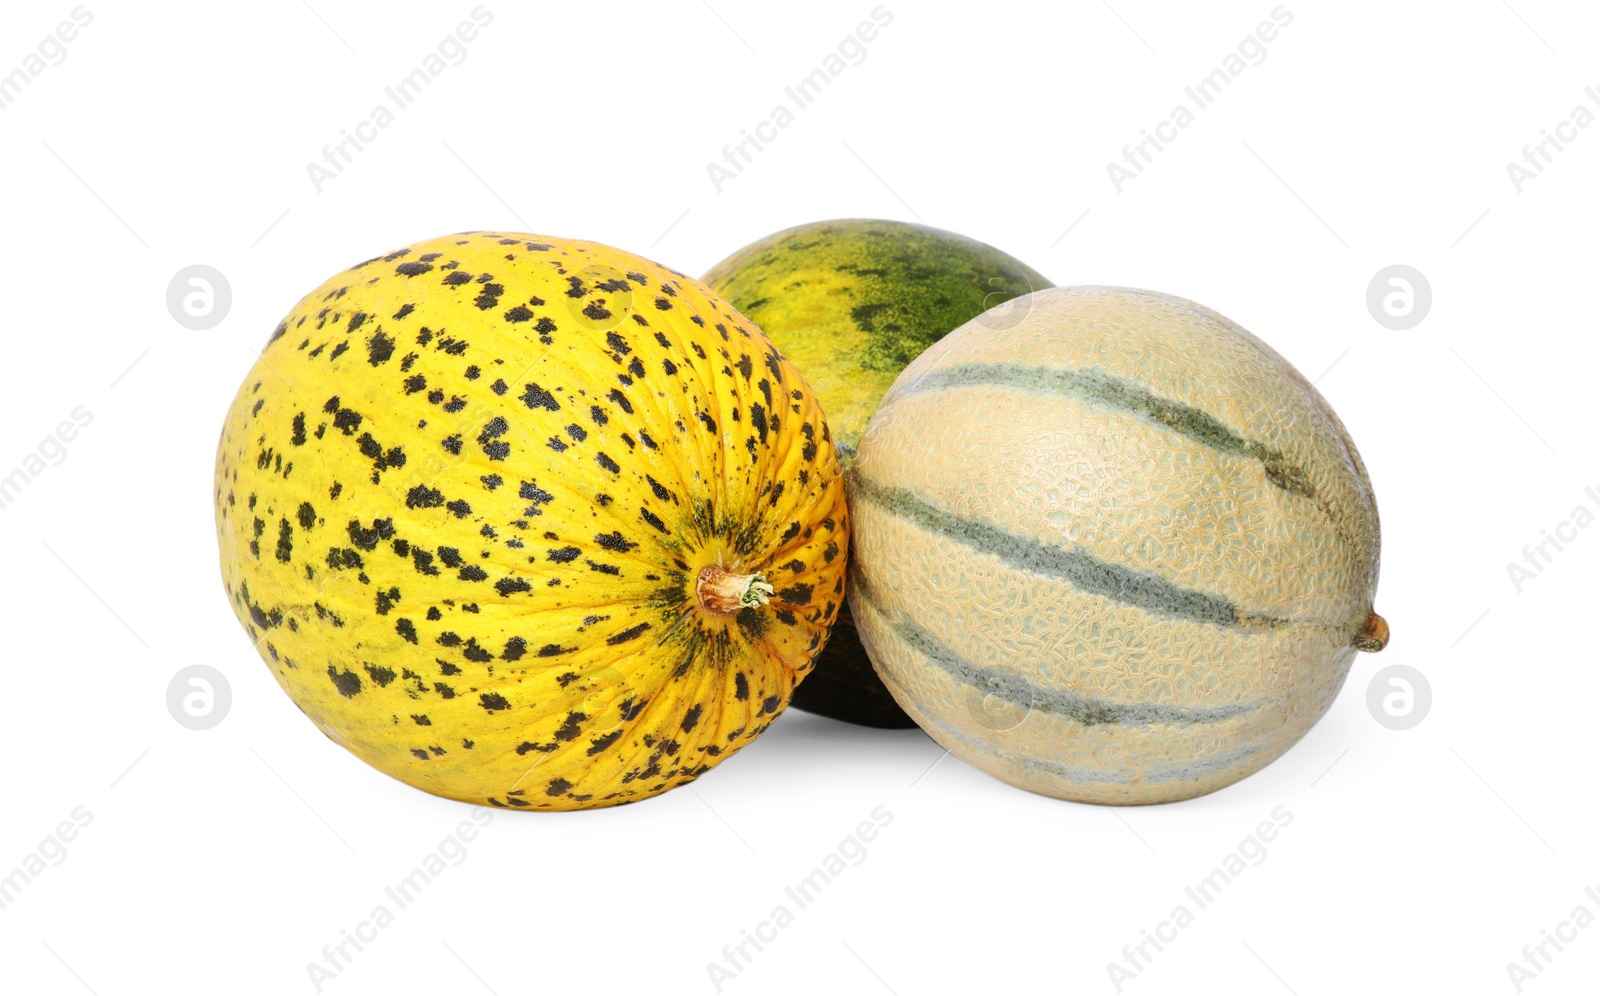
(1372, 134)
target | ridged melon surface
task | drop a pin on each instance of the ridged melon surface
(1120, 552)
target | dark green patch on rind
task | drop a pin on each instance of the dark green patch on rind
(918, 284)
(909, 286)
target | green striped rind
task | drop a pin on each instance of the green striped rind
(1225, 743)
(1052, 772)
(1099, 388)
(1010, 685)
(1084, 571)
(1025, 504)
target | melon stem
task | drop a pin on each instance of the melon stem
(1375, 637)
(723, 592)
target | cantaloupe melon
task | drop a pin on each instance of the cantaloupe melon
(1120, 552)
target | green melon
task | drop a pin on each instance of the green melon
(850, 303)
(1121, 552)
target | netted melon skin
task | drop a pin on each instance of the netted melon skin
(1118, 553)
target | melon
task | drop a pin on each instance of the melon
(530, 522)
(851, 302)
(1120, 552)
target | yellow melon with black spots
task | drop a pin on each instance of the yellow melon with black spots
(529, 521)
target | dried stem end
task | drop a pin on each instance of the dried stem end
(1375, 637)
(722, 592)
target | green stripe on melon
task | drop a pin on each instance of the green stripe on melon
(1119, 552)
